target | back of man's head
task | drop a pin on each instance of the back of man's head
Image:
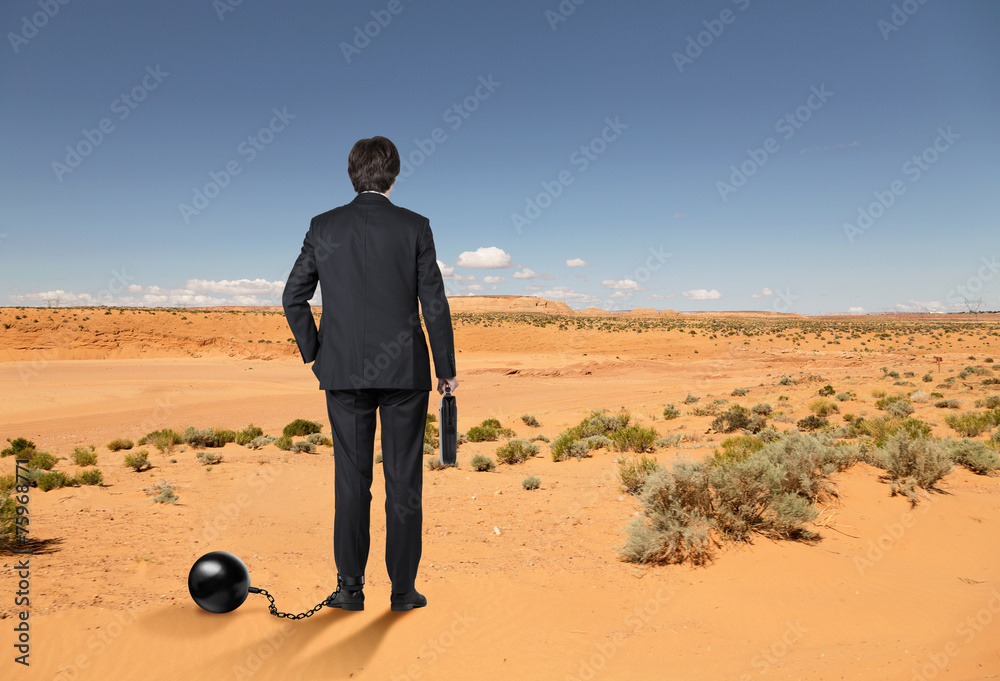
(373, 164)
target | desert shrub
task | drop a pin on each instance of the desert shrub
(762, 409)
(488, 431)
(20, 448)
(83, 456)
(428, 449)
(973, 371)
(900, 409)
(209, 458)
(671, 412)
(119, 444)
(53, 480)
(7, 483)
(826, 391)
(166, 496)
(197, 438)
(560, 446)
(431, 431)
(947, 404)
(927, 378)
(164, 440)
(283, 443)
(633, 471)
(8, 521)
(92, 476)
(378, 458)
(301, 427)
(733, 419)
(482, 463)
(738, 392)
(303, 446)
(434, 463)
(516, 451)
(599, 442)
(919, 396)
(821, 407)
(991, 402)
(970, 423)
(974, 455)
(539, 438)
(884, 402)
(881, 428)
(579, 449)
(42, 460)
(787, 380)
(223, 436)
(691, 399)
(844, 397)
(531, 482)
(812, 422)
(598, 423)
(668, 441)
(634, 438)
(138, 461)
(769, 434)
(319, 439)
(248, 435)
(877, 393)
(912, 462)
(530, 420)
(736, 448)
(261, 441)
(771, 491)
(677, 527)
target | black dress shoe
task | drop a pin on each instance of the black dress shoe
(349, 594)
(400, 602)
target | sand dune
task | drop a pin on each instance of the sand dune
(520, 584)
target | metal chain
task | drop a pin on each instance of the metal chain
(274, 609)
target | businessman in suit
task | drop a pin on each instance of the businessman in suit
(373, 261)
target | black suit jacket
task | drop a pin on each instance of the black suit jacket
(373, 260)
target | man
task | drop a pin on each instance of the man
(373, 260)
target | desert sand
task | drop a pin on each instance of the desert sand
(520, 584)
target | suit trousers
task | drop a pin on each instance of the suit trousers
(352, 421)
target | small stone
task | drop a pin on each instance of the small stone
(496, 530)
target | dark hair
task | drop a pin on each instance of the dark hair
(373, 164)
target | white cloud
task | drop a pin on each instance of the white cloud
(475, 287)
(494, 280)
(251, 287)
(702, 294)
(577, 262)
(763, 294)
(532, 287)
(622, 294)
(660, 296)
(194, 292)
(931, 306)
(568, 295)
(623, 285)
(487, 257)
(856, 310)
(446, 270)
(526, 273)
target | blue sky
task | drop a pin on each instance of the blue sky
(809, 157)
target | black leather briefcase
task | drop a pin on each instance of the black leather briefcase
(448, 428)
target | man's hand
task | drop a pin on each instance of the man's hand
(442, 382)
